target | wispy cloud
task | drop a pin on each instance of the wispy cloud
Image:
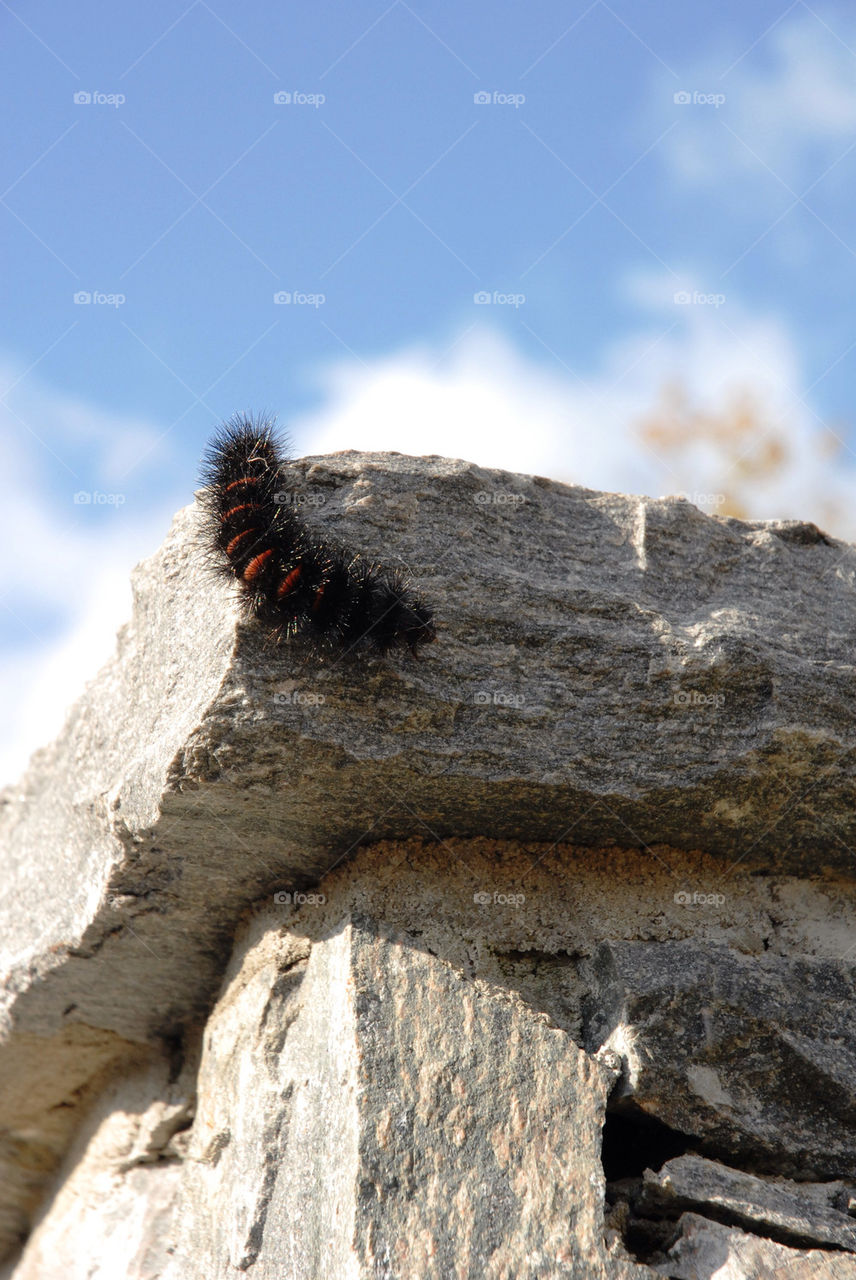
(77, 438)
(788, 108)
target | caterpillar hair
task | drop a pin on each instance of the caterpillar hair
(295, 582)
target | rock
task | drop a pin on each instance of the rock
(112, 1214)
(409, 1031)
(805, 1213)
(364, 1106)
(708, 1251)
(380, 1115)
(733, 1039)
(666, 690)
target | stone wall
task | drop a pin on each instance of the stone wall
(533, 958)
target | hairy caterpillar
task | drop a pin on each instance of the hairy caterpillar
(292, 580)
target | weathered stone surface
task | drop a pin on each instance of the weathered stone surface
(709, 1251)
(384, 1036)
(754, 1054)
(805, 1212)
(610, 671)
(364, 1107)
(112, 1215)
(44, 1094)
(373, 1112)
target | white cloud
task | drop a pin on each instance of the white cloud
(492, 405)
(790, 101)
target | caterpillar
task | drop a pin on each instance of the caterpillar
(295, 582)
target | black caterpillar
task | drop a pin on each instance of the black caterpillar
(294, 582)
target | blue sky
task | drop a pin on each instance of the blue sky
(496, 232)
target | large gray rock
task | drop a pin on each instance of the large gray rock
(709, 1251)
(408, 1039)
(364, 1106)
(374, 1112)
(610, 671)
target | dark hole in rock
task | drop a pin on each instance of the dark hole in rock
(633, 1142)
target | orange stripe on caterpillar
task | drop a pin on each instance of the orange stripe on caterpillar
(243, 480)
(256, 565)
(244, 506)
(233, 545)
(288, 583)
